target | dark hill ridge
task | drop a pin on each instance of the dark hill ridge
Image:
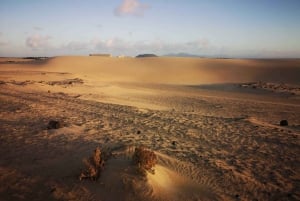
(182, 54)
(146, 55)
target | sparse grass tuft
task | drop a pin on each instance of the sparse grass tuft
(94, 165)
(144, 159)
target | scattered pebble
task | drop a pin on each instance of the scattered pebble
(284, 123)
(53, 190)
(54, 124)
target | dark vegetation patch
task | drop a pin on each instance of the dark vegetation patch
(94, 166)
(144, 159)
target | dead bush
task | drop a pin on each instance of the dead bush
(144, 159)
(94, 165)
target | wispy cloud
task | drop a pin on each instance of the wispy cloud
(113, 45)
(120, 46)
(37, 41)
(75, 45)
(2, 42)
(37, 28)
(131, 7)
(200, 43)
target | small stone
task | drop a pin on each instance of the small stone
(284, 123)
(53, 190)
(54, 124)
(138, 132)
(174, 143)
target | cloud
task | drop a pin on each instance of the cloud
(131, 7)
(119, 46)
(37, 28)
(38, 41)
(76, 45)
(200, 43)
(113, 45)
(3, 43)
(200, 46)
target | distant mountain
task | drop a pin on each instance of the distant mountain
(182, 54)
(146, 55)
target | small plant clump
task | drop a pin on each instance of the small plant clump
(144, 159)
(94, 165)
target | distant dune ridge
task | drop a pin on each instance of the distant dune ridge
(178, 70)
(196, 71)
(100, 55)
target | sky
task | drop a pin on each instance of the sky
(214, 28)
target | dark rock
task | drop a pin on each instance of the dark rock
(174, 143)
(53, 190)
(54, 124)
(146, 55)
(284, 123)
(138, 132)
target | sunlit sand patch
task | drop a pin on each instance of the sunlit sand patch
(170, 185)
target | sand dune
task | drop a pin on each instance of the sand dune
(165, 70)
(218, 141)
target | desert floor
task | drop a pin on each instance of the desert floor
(213, 124)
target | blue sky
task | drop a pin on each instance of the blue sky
(230, 28)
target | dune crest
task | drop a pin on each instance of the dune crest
(170, 70)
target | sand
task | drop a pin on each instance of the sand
(213, 124)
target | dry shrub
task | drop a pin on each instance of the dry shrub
(144, 159)
(94, 165)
